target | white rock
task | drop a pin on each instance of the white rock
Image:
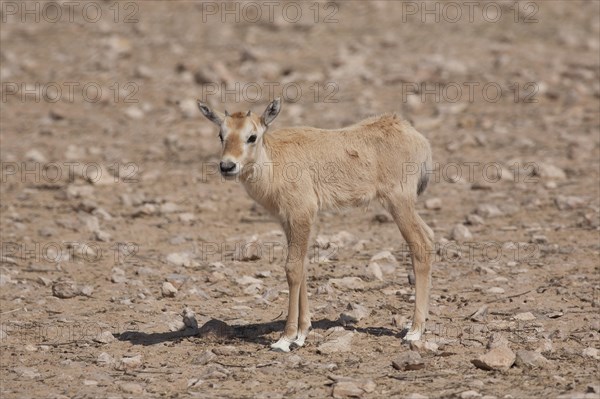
(488, 211)
(187, 217)
(105, 337)
(325, 289)
(27, 372)
(481, 314)
(64, 289)
(180, 259)
(348, 283)
(475, 220)
(143, 71)
(354, 313)
(545, 346)
(74, 191)
(591, 352)
(461, 233)
(91, 223)
(354, 387)
(496, 290)
(118, 275)
(470, 395)
(497, 340)
(253, 289)
(35, 156)
(501, 358)
(569, 202)
(409, 360)
(525, 316)
(424, 346)
(360, 245)
(104, 359)
(189, 108)
(530, 359)
(102, 235)
(345, 389)
(5, 279)
(99, 175)
(227, 350)
(168, 290)
(336, 343)
(30, 348)
(118, 45)
(433, 203)
(374, 271)
(134, 113)
(168, 207)
(342, 239)
(550, 171)
(130, 362)
(131, 387)
(247, 280)
(386, 261)
(204, 358)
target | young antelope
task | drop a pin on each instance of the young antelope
(381, 157)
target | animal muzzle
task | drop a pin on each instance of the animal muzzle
(228, 167)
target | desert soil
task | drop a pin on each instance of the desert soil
(86, 310)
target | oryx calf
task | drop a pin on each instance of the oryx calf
(381, 157)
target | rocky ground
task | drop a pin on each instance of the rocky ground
(131, 269)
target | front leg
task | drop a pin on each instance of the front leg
(297, 233)
(304, 317)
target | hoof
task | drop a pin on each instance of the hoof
(413, 335)
(283, 345)
(299, 341)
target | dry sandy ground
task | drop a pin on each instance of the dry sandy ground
(85, 258)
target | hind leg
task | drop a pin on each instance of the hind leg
(420, 240)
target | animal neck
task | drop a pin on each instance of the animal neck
(262, 169)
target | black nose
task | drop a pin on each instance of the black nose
(226, 166)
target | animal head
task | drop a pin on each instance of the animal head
(241, 135)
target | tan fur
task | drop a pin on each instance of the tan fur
(295, 172)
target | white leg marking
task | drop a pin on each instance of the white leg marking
(283, 345)
(413, 335)
(300, 339)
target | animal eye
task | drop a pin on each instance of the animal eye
(221, 136)
(252, 138)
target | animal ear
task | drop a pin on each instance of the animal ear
(213, 116)
(271, 112)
